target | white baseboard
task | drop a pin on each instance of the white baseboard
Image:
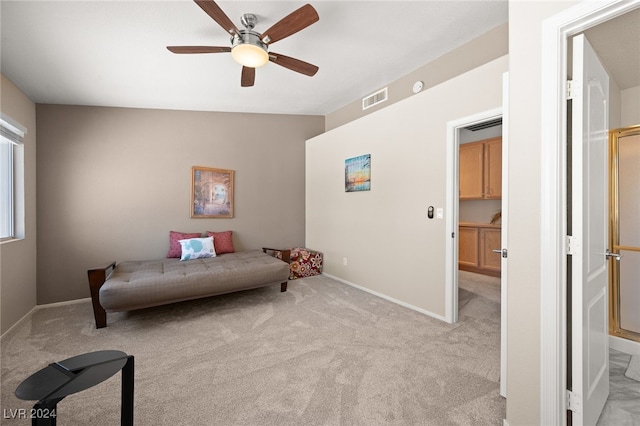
(624, 345)
(20, 321)
(38, 307)
(390, 299)
(505, 422)
(67, 302)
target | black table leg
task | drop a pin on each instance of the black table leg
(57, 380)
(126, 414)
(44, 413)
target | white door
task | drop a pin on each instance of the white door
(589, 316)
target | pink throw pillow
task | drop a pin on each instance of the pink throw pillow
(222, 241)
(175, 249)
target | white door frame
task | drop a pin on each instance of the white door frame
(556, 32)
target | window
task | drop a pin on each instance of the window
(11, 135)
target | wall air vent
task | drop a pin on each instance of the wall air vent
(375, 98)
(485, 125)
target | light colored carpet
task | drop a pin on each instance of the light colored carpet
(322, 353)
(633, 372)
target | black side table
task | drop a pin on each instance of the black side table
(59, 379)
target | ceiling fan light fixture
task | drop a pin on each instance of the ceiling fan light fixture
(248, 50)
(251, 49)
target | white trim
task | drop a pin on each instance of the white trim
(451, 220)
(11, 240)
(552, 224)
(19, 322)
(624, 345)
(39, 307)
(555, 33)
(65, 303)
(504, 240)
(12, 125)
(451, 223)
(384, 296)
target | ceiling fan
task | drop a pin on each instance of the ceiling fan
(250, 48)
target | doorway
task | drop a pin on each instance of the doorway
(556, 32)
(454, 131)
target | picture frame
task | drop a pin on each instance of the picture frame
(211, 192)
(357, 173)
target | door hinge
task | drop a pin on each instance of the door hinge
(574, 402)
(571, 88)
(572, 243)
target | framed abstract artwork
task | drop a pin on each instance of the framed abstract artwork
(211, 193)
(357, 173)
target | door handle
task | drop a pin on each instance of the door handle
(608, 255)
(503, 252)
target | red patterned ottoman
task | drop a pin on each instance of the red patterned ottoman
(304, 262)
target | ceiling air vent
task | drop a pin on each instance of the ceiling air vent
(485, 125)
(375, 98)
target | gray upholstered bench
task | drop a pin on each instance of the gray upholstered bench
(142, 284)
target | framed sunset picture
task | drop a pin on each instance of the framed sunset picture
(357, 173)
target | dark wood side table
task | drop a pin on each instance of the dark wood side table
(60, 379)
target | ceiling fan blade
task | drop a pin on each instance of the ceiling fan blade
(214, 11)
(248, 77)
(198, 49)
(291, 24)
(293, 64)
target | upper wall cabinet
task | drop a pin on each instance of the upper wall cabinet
(481, 170)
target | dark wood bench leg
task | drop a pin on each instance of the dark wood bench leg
(97, 277)
(101, 317)
(286, 257)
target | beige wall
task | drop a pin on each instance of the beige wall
(18, 258)
(479, 211)
(491, 45)
(630, 109)
(615, 104)
(390, 245)
(523, 305)
(112, 183)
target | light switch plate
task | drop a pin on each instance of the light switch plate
(439, 213)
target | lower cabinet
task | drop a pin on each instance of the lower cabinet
(468, 247)
(476, 243)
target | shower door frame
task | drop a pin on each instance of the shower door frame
(615, 328)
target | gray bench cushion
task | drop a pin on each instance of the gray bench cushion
(142, 284)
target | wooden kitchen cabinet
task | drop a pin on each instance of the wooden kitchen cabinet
(471, 169)
(480, 165)
(468, 246)
(476, 242)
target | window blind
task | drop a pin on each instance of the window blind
(11, 131)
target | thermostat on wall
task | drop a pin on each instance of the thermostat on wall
(417, 86)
